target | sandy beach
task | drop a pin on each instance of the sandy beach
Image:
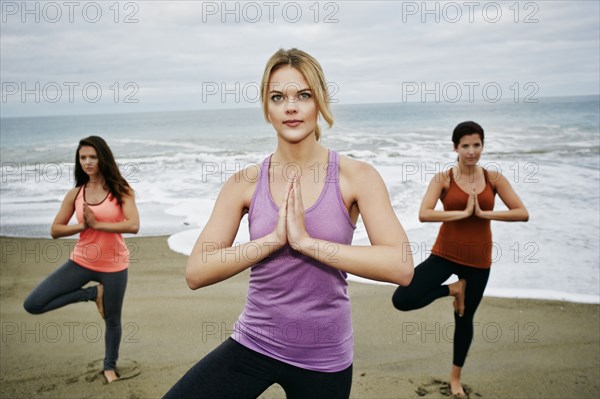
(521, 349)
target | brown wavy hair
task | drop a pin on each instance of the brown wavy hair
(117, 185)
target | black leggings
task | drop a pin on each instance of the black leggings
(232, 371)
(426, 287)
(63, 287)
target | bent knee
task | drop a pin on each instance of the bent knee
(401, 301)
(32, 307)
(402, 306)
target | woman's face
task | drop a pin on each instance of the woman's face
(291, 105)
(469, 149)
(88, 158)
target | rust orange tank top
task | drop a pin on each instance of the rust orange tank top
(98, 250)
(466, 241)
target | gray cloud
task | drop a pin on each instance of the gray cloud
(177, 49)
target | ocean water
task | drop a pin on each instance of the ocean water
(177, 162)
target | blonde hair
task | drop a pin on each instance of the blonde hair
(312, 72)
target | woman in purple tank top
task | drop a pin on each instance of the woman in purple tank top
(295, 329)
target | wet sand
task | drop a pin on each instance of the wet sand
(521, 348)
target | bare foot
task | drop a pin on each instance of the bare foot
(99, 300)
(457, 290)
(456, 389)
(110, 376)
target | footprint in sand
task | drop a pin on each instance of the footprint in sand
(46, 388)
(127, 369)
(433, 386)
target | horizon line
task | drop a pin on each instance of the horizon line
(478, 101)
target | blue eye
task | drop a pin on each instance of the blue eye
(276, 98)
(304, 96)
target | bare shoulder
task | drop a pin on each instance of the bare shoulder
(72, 193)
(443, 176)
(495, 177)
(359, 180)
(355, 170)
(441, 179)
(68, 204)
(240, 186)
(494, 174)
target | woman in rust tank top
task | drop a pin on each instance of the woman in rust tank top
(464, 243)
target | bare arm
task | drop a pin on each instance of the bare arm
(427, 213)
(387, 259)
(60, 226)
(516, 209)
(131, 224)
(213, 257)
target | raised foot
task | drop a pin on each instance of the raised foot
(99, 300)
(457, 290)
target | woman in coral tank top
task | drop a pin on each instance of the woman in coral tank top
(464, 243)
(104, 205)
(302, 202)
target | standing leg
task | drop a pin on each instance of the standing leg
(426, 285)
(114, 292)
(61, 288)
(463, 333)
(299, 383)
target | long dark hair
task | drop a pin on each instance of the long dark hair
(107, 166)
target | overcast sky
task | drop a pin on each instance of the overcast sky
(84, 57)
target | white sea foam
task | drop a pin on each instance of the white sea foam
(548, 152)
(183, 242)
(542, 294)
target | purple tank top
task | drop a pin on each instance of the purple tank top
(297, 308)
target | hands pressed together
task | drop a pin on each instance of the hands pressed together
(473, 205)
(291, 226)
(89, 220)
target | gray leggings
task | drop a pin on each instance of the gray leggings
(63, 287)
